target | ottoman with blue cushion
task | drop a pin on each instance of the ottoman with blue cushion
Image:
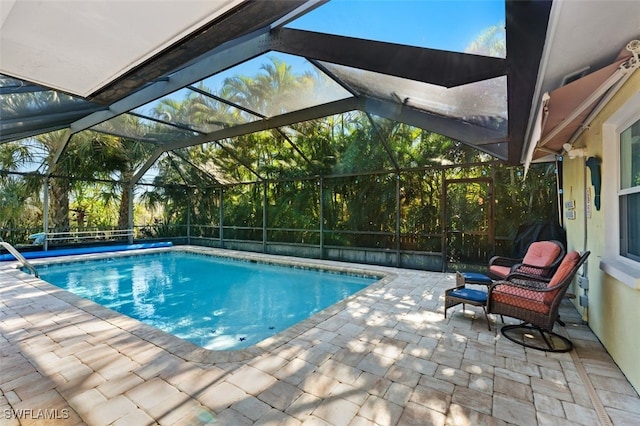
(463, 278)
(457, 295)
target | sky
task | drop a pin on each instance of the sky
(438, 24)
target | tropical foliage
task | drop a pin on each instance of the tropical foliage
(352, 179)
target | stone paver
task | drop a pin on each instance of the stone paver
(385, 356)
(251, 407)
(280, 395)
(380, 410)
(431, 398)
(221, 396)
(110, 411)
(513, 410)
(251, 380)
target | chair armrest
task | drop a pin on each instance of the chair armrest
(528, 279)
(534, 271)
(528, 284)
(504, 261)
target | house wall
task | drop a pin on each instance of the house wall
(613, 311)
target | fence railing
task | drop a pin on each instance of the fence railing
(461, 254)
(28, 237)
(92, 235)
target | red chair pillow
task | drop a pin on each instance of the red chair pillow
(541, 253)
(568, 263)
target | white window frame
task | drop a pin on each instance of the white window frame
(622, 268)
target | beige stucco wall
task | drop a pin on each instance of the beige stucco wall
(614, 308)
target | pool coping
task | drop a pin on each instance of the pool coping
(189, 351)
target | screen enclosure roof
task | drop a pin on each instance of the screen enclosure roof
(465, 70)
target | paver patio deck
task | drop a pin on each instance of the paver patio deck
(384, 356)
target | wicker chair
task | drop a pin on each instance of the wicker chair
(536, 302)
(541, 259)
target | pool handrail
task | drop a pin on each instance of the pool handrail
(11, 249)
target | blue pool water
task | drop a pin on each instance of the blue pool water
(216, 303)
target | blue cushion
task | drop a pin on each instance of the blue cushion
(83, 250)
(478, 296)
(476, 277)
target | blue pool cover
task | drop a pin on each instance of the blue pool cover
(83, 250)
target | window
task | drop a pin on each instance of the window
(621, 193)
(629, 192)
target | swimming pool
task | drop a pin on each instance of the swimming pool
(216, 303)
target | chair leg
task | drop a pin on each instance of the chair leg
(484, 309)
(546, 341)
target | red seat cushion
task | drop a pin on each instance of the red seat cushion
(500, 271)
(521, 298)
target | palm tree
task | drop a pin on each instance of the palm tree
(273, 91)
(137, 152)
(490, 42)
(116, 157)
(59, 183)
(78, 161)
(19, 203)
